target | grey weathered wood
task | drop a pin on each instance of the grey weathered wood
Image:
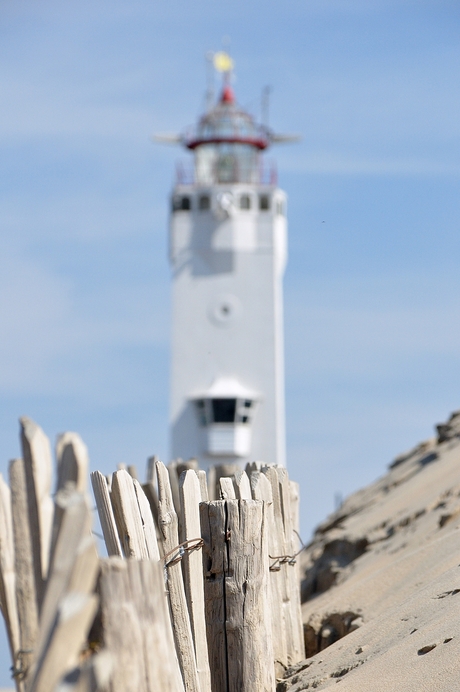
(174, 483)
(168, 525)
(127, 516)
(150, 476)
(217, 472)
(92, 676)
(294, 489)
(137, 627)
(201, 474)
(242, 486)
(290, 543)
(215, 563)
(72, 461)
(26, 591)
(132, 470)
(253, 466)
(106, 515)
(36, 452)
(147, 520)
(69, 632)
(7, 569)
(262, 490)
(152, 496)
(75, 527)
(227, 489)
(236, 591)
(213, 484)
(190, 496)
(279, 548)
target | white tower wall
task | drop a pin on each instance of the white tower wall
(227, 323)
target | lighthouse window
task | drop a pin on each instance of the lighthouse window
(204, 202)
(264, 202)
(223, 410)
(247, 403)
(245, 202)
(181, 203)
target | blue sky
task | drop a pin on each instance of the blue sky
(372, 289)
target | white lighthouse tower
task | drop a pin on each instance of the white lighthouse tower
(228, 246)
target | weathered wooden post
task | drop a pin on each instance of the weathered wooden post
(236, 570)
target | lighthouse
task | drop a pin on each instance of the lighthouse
(227, 251)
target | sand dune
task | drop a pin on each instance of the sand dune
(382, 580)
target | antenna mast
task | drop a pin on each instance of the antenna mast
(265, 106)
(209, 80)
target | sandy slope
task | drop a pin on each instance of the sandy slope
(382, 581)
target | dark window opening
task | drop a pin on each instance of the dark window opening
(247, 403)
(244, 419)
(223, 410)
(264, 202)
(181, 204)
(204, 202)
(245, 202)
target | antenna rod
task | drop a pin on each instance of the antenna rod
(209, 80)
(265, 106)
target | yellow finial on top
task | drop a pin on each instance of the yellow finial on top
(223, 62)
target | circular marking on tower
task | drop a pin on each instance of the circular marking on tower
(224, 310)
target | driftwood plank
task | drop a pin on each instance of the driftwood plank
(236, 567)
(7, 570)
(291, 541)
(242, 486)
(70, 629)
(215, 563)
(280, 550)
(127, 516)
(203, 484)
(26, 591)
(150, 476)
(38, 469)
(106, 515)
(227, 489)
(93, 676)
(190, 497)
(147, 520)
(174, 483)
(72, 461)
(75, 527)
(262, 490)
(137, 627)
(168, 525)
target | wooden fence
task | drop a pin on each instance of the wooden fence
(196, 594)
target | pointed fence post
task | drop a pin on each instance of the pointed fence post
(190, 497)
(168, 525)
(237, 596)
(106, 515)
(242, 486)
(262, 490)
(128, 516)
(290, 546)
(7, 573)
(26, 587)
(72, 461)
(36, 452)
(137, 627)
